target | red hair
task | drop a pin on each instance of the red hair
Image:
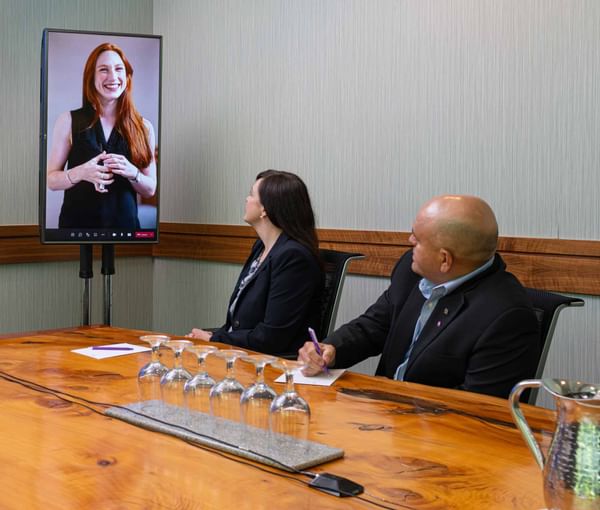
(129, 121)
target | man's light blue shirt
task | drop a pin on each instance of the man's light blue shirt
(432, 294)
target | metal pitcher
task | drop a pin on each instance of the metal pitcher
(572, 467)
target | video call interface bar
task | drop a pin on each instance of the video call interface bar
(100, 235)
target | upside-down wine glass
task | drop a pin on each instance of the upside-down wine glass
(197, 390)
(150, 374)
(172, 383)
(289, 413)
(256, 399)
(225, 395)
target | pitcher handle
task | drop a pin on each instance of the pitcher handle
(520, 420)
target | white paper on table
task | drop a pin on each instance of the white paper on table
(110, 353)
(323, 379)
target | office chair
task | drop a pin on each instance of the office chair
(547, 307)
(335, 264)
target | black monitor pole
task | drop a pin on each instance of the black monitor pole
(108, 269)
(86, 272)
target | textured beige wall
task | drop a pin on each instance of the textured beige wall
(37, 296)
(378, 105)
(42, 296)
(189, 294)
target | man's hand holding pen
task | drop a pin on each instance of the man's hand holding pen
(316, 363)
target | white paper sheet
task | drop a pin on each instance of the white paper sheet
(323, 379)
(110, 350)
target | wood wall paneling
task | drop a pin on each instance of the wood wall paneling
(20, 244)
(554, 264)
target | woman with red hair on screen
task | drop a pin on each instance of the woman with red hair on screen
(107, 146)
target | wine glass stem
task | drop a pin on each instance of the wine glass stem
(154, 354)
(289, 382)
(177, 362)
(230, 373)
(260, 373)
(201, 368)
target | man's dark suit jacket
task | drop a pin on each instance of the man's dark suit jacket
(279, 303)
(482, 337)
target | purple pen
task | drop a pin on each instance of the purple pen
(108, 348)
(313, 337)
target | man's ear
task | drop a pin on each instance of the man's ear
(446, 260)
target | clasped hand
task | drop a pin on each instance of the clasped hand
(100, 170)
(94, 172)
(120, 165)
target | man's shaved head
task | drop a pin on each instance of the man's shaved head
(463, 224)
(453, 235)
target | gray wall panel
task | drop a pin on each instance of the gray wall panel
(381, 104)
(41, 296)
(190, 294)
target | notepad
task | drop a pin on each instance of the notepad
(323, 379)
(110, 350)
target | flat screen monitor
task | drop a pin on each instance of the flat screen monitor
(99, 137)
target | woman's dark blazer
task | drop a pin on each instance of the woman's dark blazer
(279, 303)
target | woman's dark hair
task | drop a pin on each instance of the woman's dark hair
(287, 204)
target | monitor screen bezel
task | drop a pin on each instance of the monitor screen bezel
(92, 235)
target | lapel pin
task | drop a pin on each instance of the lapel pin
(445, 311)
(439, 323)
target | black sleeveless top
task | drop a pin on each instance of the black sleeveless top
(83, 206)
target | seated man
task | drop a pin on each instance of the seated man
(451, 317)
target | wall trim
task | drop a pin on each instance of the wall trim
(20, 244)
(560, 265)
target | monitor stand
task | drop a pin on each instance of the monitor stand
(86, 272)
(108, 269)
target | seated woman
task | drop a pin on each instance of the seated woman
(277, 296)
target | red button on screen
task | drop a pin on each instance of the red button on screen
(144, 235)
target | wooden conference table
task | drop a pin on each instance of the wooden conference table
(411, 446)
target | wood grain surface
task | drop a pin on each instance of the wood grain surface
(411, 446)
(560, 265)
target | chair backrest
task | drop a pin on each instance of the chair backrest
(335, 264)
(547, 306)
